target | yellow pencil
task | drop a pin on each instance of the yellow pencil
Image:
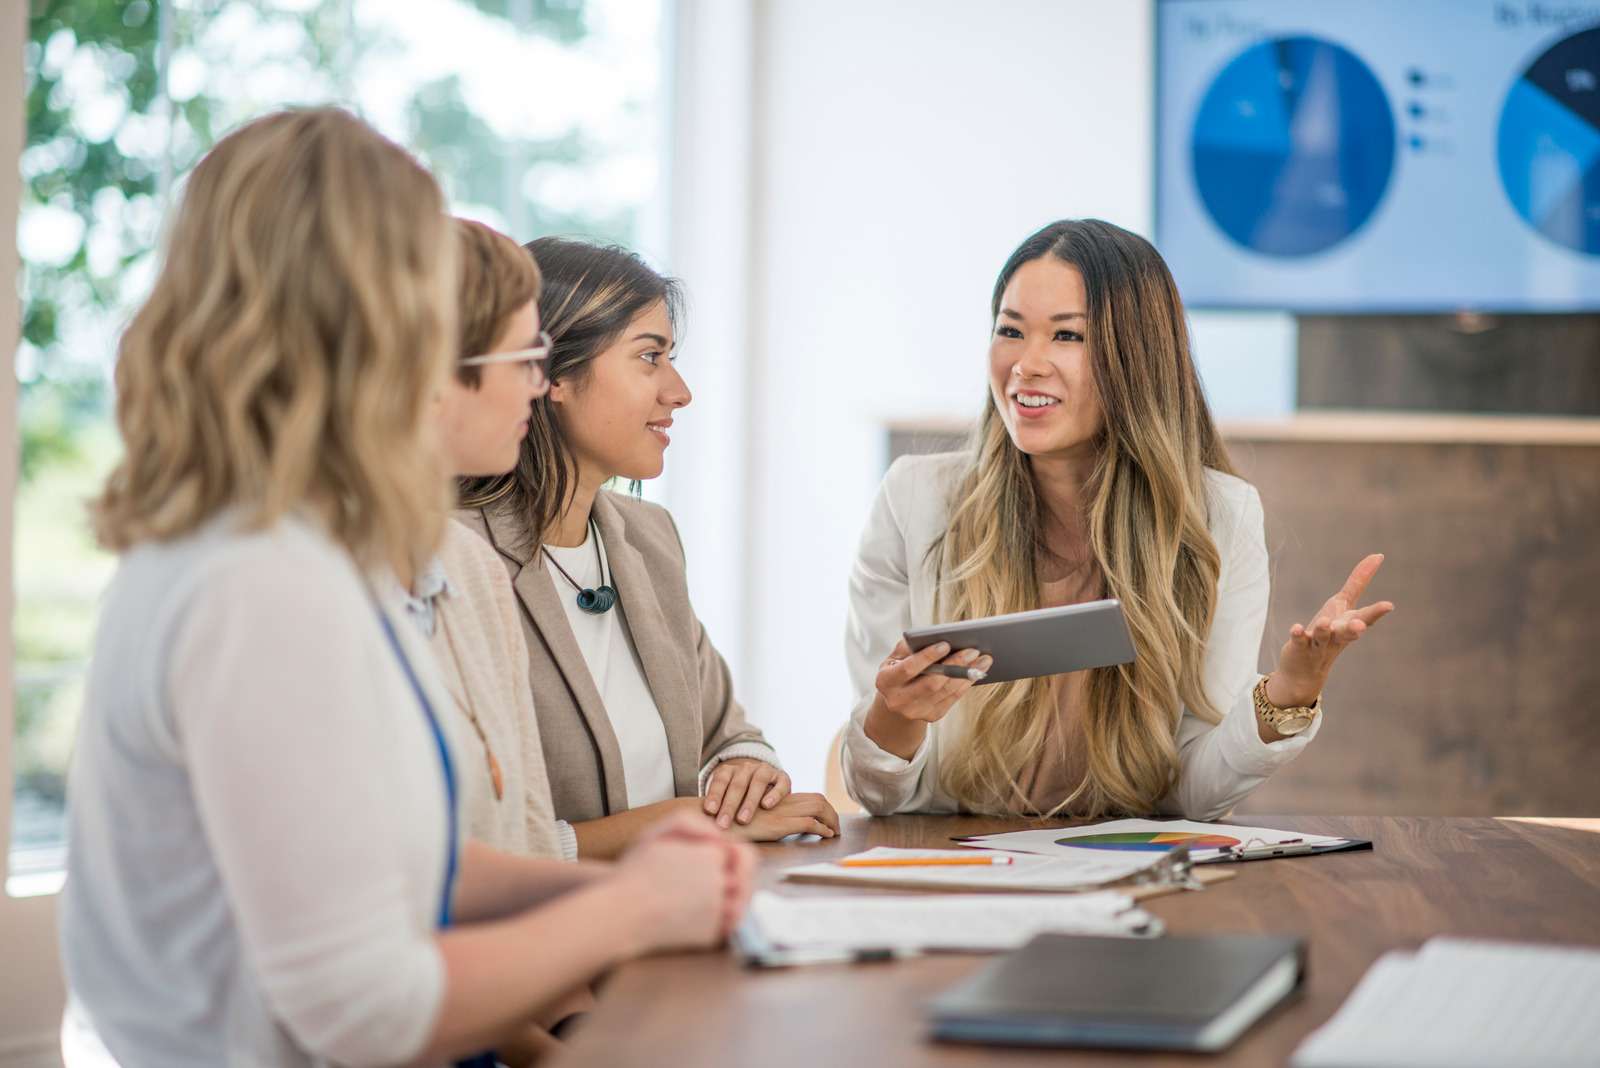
(917, 862)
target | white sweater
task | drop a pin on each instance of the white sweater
(892, 588)
(258, 823)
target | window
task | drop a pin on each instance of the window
(537, 116)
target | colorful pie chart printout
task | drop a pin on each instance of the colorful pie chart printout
(1149, 841)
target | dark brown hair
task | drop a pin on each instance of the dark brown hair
(590, 294)
(497, 279)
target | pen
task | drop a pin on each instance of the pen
(789, 958)
(918, 862)
(955, 671)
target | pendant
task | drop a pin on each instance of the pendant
(597, 601)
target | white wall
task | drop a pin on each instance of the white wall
(897, 153)
(709, 211)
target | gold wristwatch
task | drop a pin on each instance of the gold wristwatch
(1286, 721)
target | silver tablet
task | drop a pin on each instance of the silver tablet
(1045, 641)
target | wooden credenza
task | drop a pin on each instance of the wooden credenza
(1481, 694)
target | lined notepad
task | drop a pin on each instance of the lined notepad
(1467, 1004)
(940, 922)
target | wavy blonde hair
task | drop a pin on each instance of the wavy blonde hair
(302, 321)
(1146, 516)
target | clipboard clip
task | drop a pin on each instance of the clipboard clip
(1261, 849)
(1175, 869)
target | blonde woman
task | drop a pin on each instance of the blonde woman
(1096, 471)
(264, 808)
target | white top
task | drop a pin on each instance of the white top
(618, 675)
(892, 587)
(258, 823)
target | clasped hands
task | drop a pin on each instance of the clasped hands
(751, 799)
(697, 871)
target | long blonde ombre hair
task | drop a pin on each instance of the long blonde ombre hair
(302, 321)
(1146, 516)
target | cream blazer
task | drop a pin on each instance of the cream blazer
(892, 587)
(483, 660)
(686, 674)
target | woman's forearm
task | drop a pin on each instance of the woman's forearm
(493, 884)
(498, 974)
(894, 733)
(607, 837)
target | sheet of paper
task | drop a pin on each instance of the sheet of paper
(1079, 870)
(1206, 841)
(942, 921)
(1467, 1004)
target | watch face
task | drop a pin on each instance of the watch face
(1293, 725)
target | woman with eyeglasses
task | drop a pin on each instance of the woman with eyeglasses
(266, 864)
(636, 709)
(460, 599)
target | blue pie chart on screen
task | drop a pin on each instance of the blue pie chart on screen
(1294, 146)
(1550, 143)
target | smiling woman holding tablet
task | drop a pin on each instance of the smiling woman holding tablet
(1096, 472)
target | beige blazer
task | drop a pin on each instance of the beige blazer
(685, 673)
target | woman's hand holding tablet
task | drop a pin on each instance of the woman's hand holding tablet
(1040, 642)
(907, 700)
(1019, 645)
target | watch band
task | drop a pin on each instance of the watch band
(1286, 721)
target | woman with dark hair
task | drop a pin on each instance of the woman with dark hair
(635, 706)
(1096, 471)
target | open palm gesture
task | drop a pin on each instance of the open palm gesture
(1308, 656)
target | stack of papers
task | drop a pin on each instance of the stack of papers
(1466, 1004)
(1081, 869)
(793, 930)
(1206, 842)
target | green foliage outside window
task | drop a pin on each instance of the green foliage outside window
(123, 97)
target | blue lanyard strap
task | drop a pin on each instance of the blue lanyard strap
(444, 761)
(482, 1060)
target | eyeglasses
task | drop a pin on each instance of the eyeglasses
(530, 358)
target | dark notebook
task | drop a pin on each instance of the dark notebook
(1137, 993)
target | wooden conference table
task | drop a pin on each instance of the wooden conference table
(1426, 876)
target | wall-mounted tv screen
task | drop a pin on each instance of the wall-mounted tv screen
(1380, 155)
